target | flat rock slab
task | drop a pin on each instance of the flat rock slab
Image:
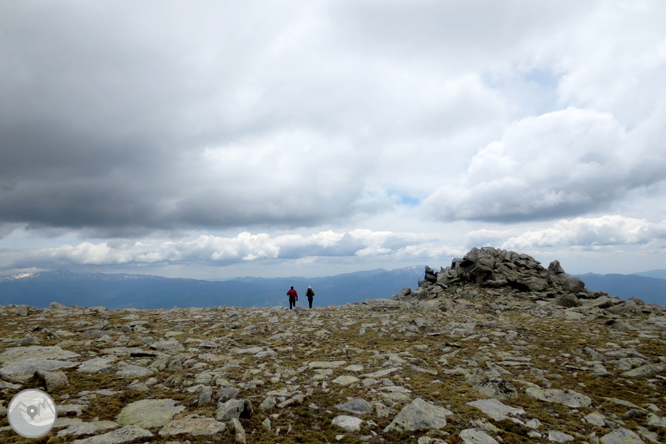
(193, 426)
(346, 380)
(645, 370)
(33, 365)
(621, 436)
(134, 371)
(96, 365)
(169, 345)
(326, 364)
(419, 414)
(557, 436)
(380, 373)
(496, 388)
(149, 412)
(567, 397)
(357, 405)
(349, 423)
(496, 409)
(39, 352)
(87, 428)
(476, 436)
(126, 434)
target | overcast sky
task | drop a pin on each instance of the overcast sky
(221, 139)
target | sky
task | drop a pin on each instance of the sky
(310, 138)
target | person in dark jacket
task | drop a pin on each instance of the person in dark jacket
(310, 294)
(293, 297)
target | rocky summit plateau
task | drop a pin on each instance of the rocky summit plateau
(495, 348)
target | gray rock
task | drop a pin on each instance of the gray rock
(134, 371)
(476, 436)
(596, 418)
(568, 301)
(126, 434)
(419, 414)
(657, 421)
(269, 403)
(52, 380)
(192, 425)
(96, 365)
(557, 436)
(56, 306)
(232, 408)
(35, 352)
(429, 440)
(227, 393)
(349, 423)
(326, 364)
(621, 436)
(149, 413)
(206, 396)
(645, 370)
(497, 388)
(569, 398)
(346, 380)
(357, 405)
(86, 428)
(239, 431)
(171, 345)
(495, 409)
(32, 365)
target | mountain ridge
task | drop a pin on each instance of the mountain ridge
(148, 291)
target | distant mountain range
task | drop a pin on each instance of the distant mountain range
(148, 292)
(648, 285)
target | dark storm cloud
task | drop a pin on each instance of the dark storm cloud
(106, 112)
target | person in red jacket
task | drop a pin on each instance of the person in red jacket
(293, 297)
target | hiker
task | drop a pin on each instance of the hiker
(293, 297)
(310, 294)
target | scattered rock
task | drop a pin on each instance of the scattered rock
(357, 405)
(149, 413)
(349, 423)
(52, 380)
(126, 434)
(419, 414)
(495, 409)
(557, 436)
(569, 398)
(621, 436)
(476, 436)
(497, 388)
(192, 425)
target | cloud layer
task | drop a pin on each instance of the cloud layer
(126, 122)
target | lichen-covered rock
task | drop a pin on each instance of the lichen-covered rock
(419, 414)
(148, 413)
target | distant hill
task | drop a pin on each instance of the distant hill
(659, 274)
(651, 290)
(147, 292)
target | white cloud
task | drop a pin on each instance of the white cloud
(245, 247)
(610, 230)
(562, 163)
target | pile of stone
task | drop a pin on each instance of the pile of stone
(494, 272)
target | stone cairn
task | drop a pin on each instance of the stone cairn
(492, 271)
